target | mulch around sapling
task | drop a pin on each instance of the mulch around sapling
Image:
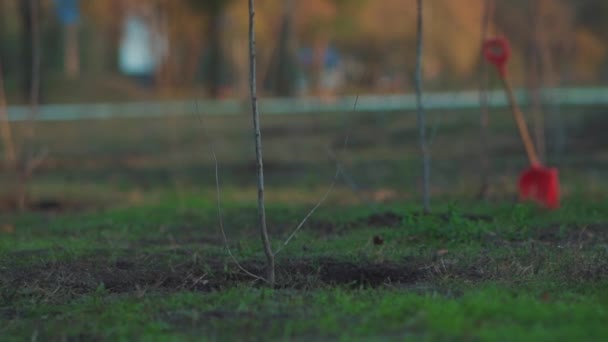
(56, 279)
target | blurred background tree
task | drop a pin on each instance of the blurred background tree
(316, 47)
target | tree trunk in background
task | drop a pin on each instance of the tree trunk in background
(281, 76)
(30, 52)
(3, 29)
(10, 154)
(216, 62)
(113, 36)
(26, 48)
(36, 58)
(161, 29)
(239, 53)
(72, 52)
(318, 65)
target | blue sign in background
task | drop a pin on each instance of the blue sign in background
(68, 11)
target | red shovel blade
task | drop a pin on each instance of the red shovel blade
(540, 184)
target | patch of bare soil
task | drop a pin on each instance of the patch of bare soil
(155, 272)
(388, 219)
(391, 219)
(185, 270)
(578, 235)
(49, 205)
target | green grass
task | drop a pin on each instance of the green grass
(516, 276)
(142, 257)
(456, 311)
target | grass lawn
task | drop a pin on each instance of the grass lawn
(124, 244)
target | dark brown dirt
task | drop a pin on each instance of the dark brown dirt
(385, 219)
(153, 272)
(578, 235)
(49, 205)
(388, 219)
(184, 270)
(391, 219)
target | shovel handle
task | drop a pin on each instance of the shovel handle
(521, 124)
(497, 52)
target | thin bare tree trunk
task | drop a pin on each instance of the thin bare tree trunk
(484, 121)
(535, 75)
(552, 79)
(421, 116)
(28, 162)
(258, 148)
(280, 76)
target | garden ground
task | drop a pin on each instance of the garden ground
(124, 240)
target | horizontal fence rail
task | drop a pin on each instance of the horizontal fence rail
(305, 105)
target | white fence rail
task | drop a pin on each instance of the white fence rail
(286, 106)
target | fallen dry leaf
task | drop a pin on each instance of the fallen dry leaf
(442, 252)
(383, 195)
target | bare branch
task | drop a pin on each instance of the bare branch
(219, 200)
(329, 190)
(354, 187)
(312, 211)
